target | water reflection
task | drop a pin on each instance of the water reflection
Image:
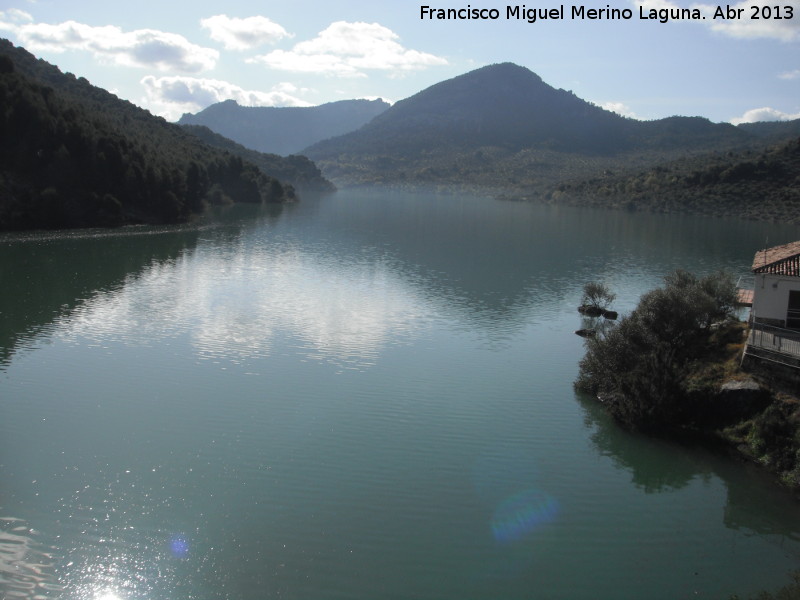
(46, 277)
(754, 503)
(308, 406)
(26, 566)
(491, 256)
(234, 304)
(481, 259)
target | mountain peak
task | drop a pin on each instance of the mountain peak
(503, 105)
(505, 69)
(284, 130)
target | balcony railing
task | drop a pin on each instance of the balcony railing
(774, 343)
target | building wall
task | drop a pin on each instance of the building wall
(771, 298)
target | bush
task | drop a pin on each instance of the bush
(774, 438)
(639, 367)
(597, 295)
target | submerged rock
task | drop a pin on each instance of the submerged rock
(595, 311)
(586, 332)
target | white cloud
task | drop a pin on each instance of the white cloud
(620, 108)
(11, 19)
(784, 29)
(243, 34)
(170, 97)
(347, 50)
(764, 114)
(140, 48)
(790, 74)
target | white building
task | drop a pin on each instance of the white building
(776, 294)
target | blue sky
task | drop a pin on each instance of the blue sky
(174, 56)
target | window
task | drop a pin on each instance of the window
(793, 311)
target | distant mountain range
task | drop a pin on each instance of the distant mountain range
(510, 107)
(501, 126)
(285, 130)
(73, 155)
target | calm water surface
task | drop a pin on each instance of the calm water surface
(367, 396)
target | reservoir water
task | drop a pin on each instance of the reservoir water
(364, 396)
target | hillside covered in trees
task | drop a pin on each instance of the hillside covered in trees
(296, 170)
(74, 155)
(761, 183)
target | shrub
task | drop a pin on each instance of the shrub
(639, 367)
(597, 295)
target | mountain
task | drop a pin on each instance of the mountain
(296, 170)
(773, 130)
(74, 155)
(285, 130)
(500, 105)
(502, 126)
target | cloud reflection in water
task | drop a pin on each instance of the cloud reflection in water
(234, 305)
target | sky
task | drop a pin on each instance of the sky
(173, 56)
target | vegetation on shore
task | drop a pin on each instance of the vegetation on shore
(756, 183)
(673, 366)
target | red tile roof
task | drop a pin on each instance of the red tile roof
(780, 260)
(744, 297)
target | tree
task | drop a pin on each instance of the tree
(639, 367)
(597, 295)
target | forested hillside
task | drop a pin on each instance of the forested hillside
(759, 184)
(296, 170)
(74, 155)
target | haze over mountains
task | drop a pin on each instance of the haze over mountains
(75, 155)
(501, 129)
(501, 125)
(285, 130)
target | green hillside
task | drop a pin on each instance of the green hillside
(761, 184)
(296, 170)
(74, 155)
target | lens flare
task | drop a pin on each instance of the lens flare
(179, 546)
(523, 513)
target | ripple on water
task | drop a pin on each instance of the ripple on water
(26, 565)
